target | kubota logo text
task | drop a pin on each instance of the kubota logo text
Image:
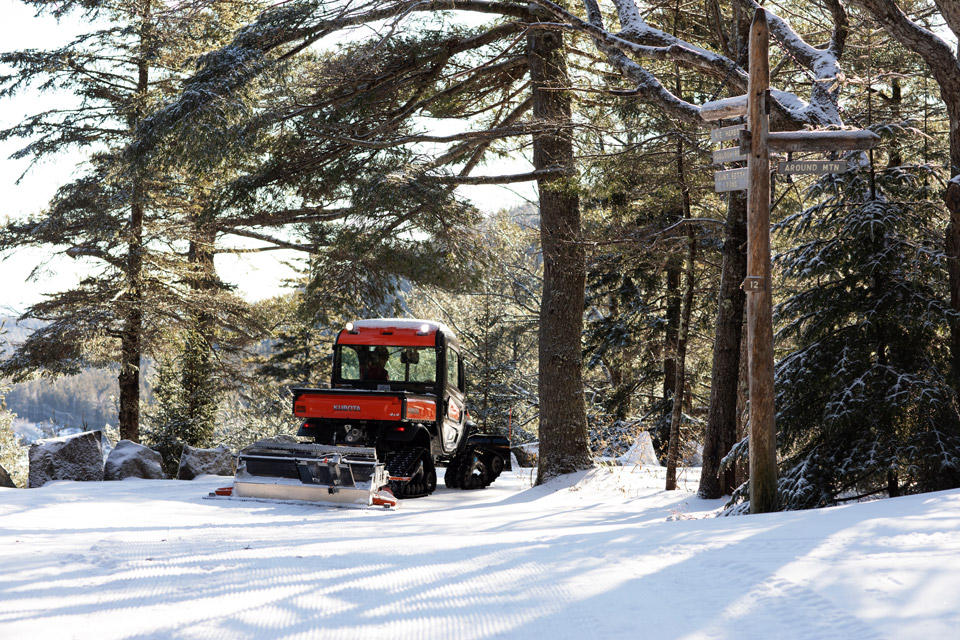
(346, 407)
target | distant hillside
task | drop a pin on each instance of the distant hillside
(84, 400)
(13, 332)
(525, 215)
(88, 399)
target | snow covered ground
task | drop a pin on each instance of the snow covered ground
(599, 555)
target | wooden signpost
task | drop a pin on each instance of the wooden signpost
(756, 143)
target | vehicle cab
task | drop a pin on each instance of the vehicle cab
(416, 356)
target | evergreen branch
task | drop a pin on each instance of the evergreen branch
(540, 174)
(276, 242)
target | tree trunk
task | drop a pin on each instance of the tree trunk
(199, 385)
(673, 271)
(739, 472)
(952, 198)
(131, 337)
(721, 433)
(563, 417)
(131, 340)
(673, 450)
(676, 415)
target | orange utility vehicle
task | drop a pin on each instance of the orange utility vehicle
(395, 410)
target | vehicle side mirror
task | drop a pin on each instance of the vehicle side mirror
(410, 356)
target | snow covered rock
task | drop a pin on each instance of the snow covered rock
(199, 462)
(526, 454)
(77, 457)
(5, 480)
(131, 460)
(640, 452)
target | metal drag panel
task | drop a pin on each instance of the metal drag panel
(309, 472)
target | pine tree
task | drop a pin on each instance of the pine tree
(111, 219)
(496, 324)
(13, 455)
(864, 399)
(187, 402)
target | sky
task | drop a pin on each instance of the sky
(257, 276)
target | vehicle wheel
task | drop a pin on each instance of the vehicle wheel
(468, 470)
(430, 479)
(496, 467)
(473, 473)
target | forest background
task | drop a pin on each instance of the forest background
(344, 133)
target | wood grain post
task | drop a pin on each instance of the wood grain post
(763, 453)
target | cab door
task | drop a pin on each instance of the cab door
(454, 409)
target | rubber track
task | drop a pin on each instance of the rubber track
(404, 463)
(466, 461)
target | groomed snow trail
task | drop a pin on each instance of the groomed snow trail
(599, 555)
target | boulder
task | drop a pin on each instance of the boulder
(526, 454)
(76, 457)
(201, 462)
(131, 460)
(5, 479)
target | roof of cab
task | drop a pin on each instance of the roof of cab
(396, 332)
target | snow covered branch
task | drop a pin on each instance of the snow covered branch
(638, 41)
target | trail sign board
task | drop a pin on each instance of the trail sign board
(721, 134)
(812, 166)
(730, 154)
(730, 180)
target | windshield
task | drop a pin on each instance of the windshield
(365, 363)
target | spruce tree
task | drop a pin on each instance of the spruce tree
(864, 399)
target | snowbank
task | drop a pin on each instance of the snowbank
(600, 554)
(640, 452)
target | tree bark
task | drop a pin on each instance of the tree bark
(563, 418)
(674, 271)
(721, 432)
(131, 341)
(132, 337)
(676, 417)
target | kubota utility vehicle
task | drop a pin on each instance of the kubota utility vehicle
(393, 412)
